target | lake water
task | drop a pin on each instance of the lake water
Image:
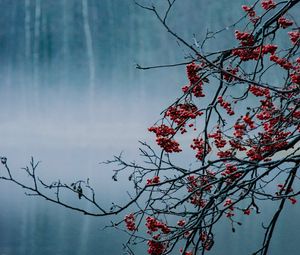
(71, 98)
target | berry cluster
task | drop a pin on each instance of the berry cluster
(207, 241)
(130, 222)
(273, 140)
(269, 48)
(195, 81)
(227, 202)
(169, 145)
(284, 23)
(295, 76)
(192, 72)
(268, 4)
(229, 212)
(267, 110)
(270, 140)
(155, 247)
(258, 91)
(225, 154)
(163, 138)
(197, 182)
(282, 188)
(218, 140)
(154, 180)
(202, 148)
(239, 130)
(293, 200)
(236, 144)
(154, 225)
(283, 62)
(194, 184)
(254, 53)
(181, 223)
(229, 72)
(162, 130)
(248, 121)
(181, 113)
(254, 153)
(225, 105)
(247, 211)
(294, 37)
(245, 38)
(198, 201)
(245, 54)
(251, 13)
(231, 173)
(275, 135)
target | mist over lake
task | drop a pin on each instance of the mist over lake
(71, 97)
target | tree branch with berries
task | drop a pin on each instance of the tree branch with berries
(240, 121)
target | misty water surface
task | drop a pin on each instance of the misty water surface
(71, 97)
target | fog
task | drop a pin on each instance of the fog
(71, 97)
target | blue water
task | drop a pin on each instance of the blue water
(73, 98)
